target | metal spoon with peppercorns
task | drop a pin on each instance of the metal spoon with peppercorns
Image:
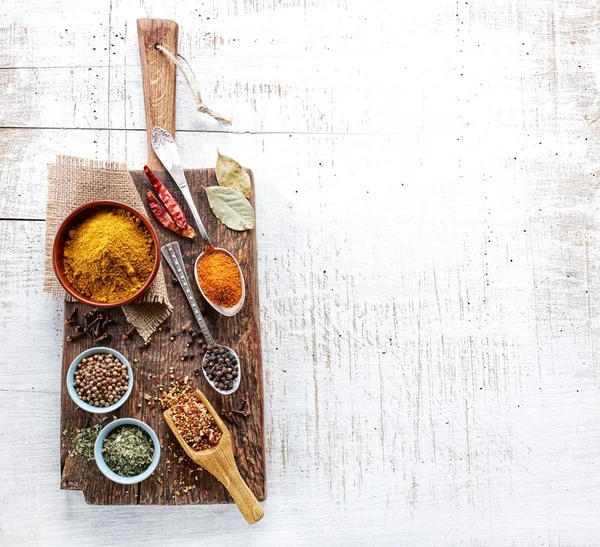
(221, 365)
(227, 301)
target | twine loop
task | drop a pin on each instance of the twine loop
(192, 83)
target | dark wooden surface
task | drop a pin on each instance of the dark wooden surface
(174, 481)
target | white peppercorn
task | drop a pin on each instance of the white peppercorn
(101, 380)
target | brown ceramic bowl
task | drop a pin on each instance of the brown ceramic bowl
(75, 217)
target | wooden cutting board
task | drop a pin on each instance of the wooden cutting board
(177, 480)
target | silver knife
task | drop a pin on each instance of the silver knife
(165, 148)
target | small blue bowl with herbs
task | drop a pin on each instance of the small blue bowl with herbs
(127, 451)
(100, 380)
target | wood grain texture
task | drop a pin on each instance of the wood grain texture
(158, 77)
(151, 367)
(447, 395)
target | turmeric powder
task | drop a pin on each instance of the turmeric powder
(219, 277)
(109, 256)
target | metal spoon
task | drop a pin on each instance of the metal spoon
(165, 148)
(173, 256)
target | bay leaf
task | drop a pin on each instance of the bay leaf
(231, 207)
(230, 174)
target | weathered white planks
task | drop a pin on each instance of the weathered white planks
(426, 204)
(291, 167)
(62, 34)
(303, 99)
(269, 75)
(462, 419)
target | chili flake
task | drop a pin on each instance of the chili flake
(192, 419)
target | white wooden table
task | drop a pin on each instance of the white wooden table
(427, 207)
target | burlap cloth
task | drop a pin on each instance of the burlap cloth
(75, 181)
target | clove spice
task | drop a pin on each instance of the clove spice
(75, 337)
(232, 415)
(127, 334)
(102, 337)
(72, 319)
(94, 324)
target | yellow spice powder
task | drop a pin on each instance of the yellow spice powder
(109, 256)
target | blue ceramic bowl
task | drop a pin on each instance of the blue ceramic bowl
(71, 379)
(107, 471)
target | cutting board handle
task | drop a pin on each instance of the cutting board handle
(158, 77)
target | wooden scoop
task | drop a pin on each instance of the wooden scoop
(219, 461)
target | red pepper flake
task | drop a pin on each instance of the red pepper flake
(191, 417)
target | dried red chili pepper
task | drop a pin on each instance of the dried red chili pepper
(188, 232)
(162, 215)
(159, 211)
(167, 199)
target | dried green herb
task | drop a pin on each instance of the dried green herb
(128, 450)
(83, 442)
(231, 174)
(231, 208)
